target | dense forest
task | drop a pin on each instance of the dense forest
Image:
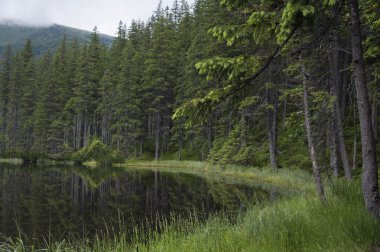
(279, 83)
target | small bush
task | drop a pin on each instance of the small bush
(99, 152)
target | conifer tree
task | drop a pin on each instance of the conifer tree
(5, 79)
(158, 79)
(42, 115)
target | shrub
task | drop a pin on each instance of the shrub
(99, 152)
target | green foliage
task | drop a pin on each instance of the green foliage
(294, 15)
(198, 109)
(99, 152)
(234, 68)
(372, 42)
(230, 150)
(248, 102)
(292, 144)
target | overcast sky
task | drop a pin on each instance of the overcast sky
(82, 14)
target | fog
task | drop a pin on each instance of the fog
(82, 14)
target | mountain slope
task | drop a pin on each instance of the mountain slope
(43, 38)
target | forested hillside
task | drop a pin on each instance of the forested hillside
(279, 83)
(44, 38)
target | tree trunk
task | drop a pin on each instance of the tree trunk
(334, 72)
(374, 115)
(196, 150)
(79, 132)
(334, 149)
(157, 144)
(243, 130)
(141, 146)
(126, 137)
(272, 127)
(313, 155)
(94, 127)
(343, 87)
(275, 120)
(230, 122)
(209, 142)
(162, 145)
(85, 131)
(180, 141)
(355, 145)
(284, 105)
(370, 173)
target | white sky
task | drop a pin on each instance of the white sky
(82, 14)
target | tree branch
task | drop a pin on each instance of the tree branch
(243, 83)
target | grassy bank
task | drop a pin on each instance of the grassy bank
(15, 161)
(297, 224)
(282, 178)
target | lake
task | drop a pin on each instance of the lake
(77, 202)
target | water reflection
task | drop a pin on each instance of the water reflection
(79, 201)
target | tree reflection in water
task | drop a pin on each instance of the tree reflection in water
(77, 201)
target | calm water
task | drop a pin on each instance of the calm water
(77, 201)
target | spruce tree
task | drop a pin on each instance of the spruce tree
(5, 79)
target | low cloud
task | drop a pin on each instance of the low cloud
(25, 12)
(82, 14)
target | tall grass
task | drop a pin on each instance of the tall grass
(297, 224)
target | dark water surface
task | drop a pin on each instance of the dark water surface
(78, 202)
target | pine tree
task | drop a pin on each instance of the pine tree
(59, 94)
(129, 115)
(5, 79)
(158, 80)
(27, 83)
(42, 115)
(21, 100)
(95, 70)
